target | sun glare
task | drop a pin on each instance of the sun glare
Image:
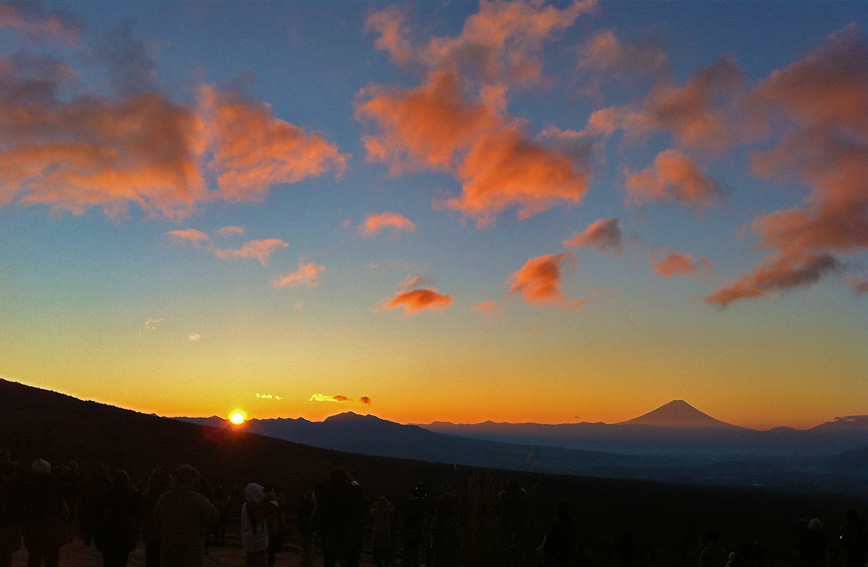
(237, 418)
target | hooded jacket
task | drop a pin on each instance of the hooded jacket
(254, 531)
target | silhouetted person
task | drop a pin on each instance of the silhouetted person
(445, 531)
(358, 514)
(221, 501)
(275, 524)
(812, 545)
(10, 509)
(713, 554)
(854, 540)
(46, 515)
(159, 482)
(382, 513)
(94, 487)
(559, 544)
(306, 529)
(259, 505)
(512, 510)
(118, 530)
(332, 517)
(414, 525)
(183, 514)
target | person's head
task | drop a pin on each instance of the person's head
(419, 490)
(815, 525)
(160, 479)
(310, 496)
(40, 468)
(253, 493)
(186, 474)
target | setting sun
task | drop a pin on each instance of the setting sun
(237, 418)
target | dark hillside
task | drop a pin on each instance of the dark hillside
(669, 520)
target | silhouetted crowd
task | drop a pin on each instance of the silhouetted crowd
(176, 516)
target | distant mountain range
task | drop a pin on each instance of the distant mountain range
(675, 442)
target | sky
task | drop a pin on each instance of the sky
(512, 211)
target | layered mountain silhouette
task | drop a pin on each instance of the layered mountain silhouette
(38, 423)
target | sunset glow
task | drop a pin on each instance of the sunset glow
(458, 211)
(237, 418)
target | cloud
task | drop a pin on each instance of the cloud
(228, 231)
(418, 281)
(500, 43)
(540, 280)
(673, 177)
(781, 273)
(603, 234)
(859, 284)
(195, 237)
(490, 307)
(375, 223)
(365, 400)
(673, 264)
(456, 121)
(418, 300)
(328, 398)
(151, 324)
(34, 23)
(259, 249)
(268, 397)
(308, 274)
(255, 150)
(73, 150)
(195, 337)
(605, 57)
(820, 103)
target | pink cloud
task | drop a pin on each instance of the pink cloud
(540, 280)
(418, 281)
(680, 264)
(375, 223)
(820, 103)
(259, 249)
(229, 231)
(308, 274)
(859, 284)
(603, 234)
(672, 177)
(418, 300)
(605, 57)
(195, 237)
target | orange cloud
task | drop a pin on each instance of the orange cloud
(605, 57)
(680, 264)
(603, 234)
(308, 274)
(504, 169)
(500, 43)
(457, 121)
(540, 279)
(419, 300)
(256, 150)
(821, 104)
(781, 273)
(673, 176)
(195, 237)
(140, 149)
(259, 249)
(489, 307)
(424, 127)
(375, 223)
(365, 400)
